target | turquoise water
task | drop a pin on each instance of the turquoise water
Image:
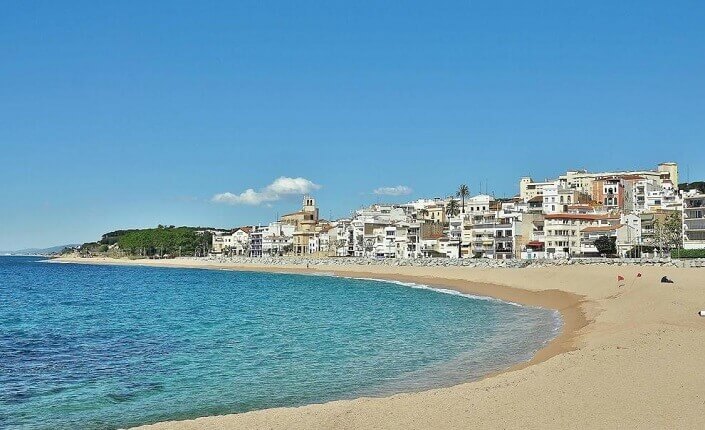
(88, 346)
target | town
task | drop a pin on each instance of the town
(579, 214)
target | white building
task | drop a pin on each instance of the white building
(478, 203)
(582, 180)
(693, 220)
(528, 188)
(277, 238)
(563, 233)
(256, 240)
(557, 198)
(236, 242)
(479, 234)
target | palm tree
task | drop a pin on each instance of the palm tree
(463, 191)
(452, 209)
(423, 213)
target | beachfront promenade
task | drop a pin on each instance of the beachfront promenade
(455, 262)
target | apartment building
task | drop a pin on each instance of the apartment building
(563, 232)
(479, 203)
(528, 188)
(583, 181)
(557, 198)
(235, 242)
(529, 235)
(505, 237)
(636, 192)
(277, 239)
(693, 220)
(220, 241)
(413, 240)
(609, 191)
(478, 234)
(256, 235)
(322, 241)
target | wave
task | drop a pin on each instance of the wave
(443, 290)
(557, 319)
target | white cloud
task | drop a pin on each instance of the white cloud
(281, 187)
(399, 190)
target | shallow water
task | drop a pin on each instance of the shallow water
(89, 346)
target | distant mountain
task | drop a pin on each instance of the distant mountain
(37, 251)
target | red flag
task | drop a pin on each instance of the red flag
(638, 275)
(620, 278)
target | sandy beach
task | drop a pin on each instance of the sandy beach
(628, 357)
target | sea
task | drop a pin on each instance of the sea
(105, 347)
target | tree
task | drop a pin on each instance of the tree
(463, 192)
(453, 208)
(669, 234)
(423, 213)
(673, 231)
(606, 245)
(341, 243)
(659, 235)
(699, 185)
(164, 240)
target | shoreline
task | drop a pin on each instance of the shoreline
(583, 303)
(569, 305)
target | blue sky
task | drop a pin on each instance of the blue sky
(129, 114)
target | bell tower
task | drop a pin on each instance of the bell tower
(309, 206)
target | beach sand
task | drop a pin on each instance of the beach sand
(628, 357)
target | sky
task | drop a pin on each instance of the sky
(132, 114)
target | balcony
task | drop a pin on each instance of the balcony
(694, 224)
(558, 235)
(479, 225)
(482, 249)
(694, 204)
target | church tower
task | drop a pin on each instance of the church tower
(309, 207)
